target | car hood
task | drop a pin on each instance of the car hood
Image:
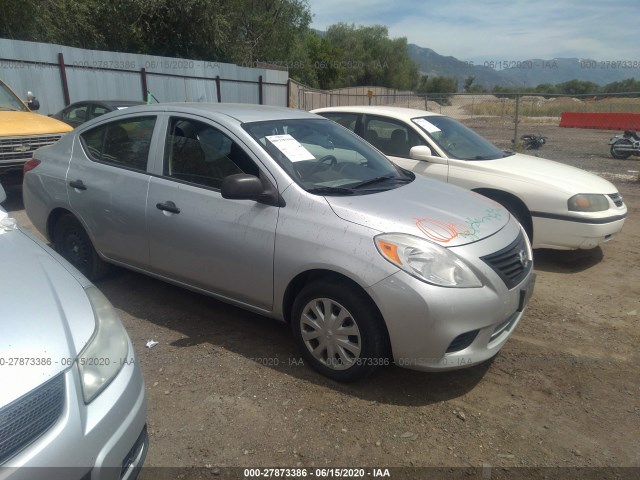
(29, 123)
(442, 213)
(551, 174)
(46, 317)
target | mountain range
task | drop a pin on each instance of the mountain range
(522, 73)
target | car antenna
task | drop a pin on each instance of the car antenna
(150, 96)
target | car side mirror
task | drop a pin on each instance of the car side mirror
(32, 102)
(242, 187)
(420, 152)
(3, 195)
(424, 153)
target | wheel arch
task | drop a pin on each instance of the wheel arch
(55, 215)
(514, 204)
(296, 285)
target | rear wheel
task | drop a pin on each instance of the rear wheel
(72, 242)
(621, 149)
(339, 331)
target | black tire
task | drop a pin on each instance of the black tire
(621, 155)
(522, 215)
(359, 317)
(72, 242)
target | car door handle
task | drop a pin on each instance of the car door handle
(168, 207)
(77, 184)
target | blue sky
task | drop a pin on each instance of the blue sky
(499, 30)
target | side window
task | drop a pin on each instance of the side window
(347, 120)
(99, 110)
(392, 137)
(123, 143)
(199, 153)
(76, 115)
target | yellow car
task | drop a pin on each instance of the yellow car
(22, 132)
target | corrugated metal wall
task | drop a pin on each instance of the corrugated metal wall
(93, 74)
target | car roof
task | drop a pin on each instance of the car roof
(108, 103)
(400, 113)
(242, 112)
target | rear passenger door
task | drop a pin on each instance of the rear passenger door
(198, 238)
(107, 184)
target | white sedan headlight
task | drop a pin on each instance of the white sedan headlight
(103, 357)
(588, 202)
(426, 261)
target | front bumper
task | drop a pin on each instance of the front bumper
(104, 440)
(570, 235)
(435, 328)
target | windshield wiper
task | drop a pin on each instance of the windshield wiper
(331, 190)
(380, 179)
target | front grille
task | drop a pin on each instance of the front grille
(511, 263)
(22, 148)
(617, 199)
(28, 417)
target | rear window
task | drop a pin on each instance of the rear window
(123, 143)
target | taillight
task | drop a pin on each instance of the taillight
(30, 165)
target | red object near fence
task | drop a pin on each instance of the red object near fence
(604, 121)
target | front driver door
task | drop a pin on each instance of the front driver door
(198, 238)
(395, 139)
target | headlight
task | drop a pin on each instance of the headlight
(102, 358)
(588, 202)
(426, 261)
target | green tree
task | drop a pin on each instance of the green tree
(367, 56)
(438, 88)
(468, 82)
(624, 86)
(577, 87)
(17, 17)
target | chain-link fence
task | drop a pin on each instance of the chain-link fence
(576, 128)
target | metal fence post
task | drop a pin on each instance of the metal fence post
(515, 131)
(145, 88)
(218, 93)
(63, 78)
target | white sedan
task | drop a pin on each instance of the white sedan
(559, 206)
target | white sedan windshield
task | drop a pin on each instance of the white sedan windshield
(457, 140)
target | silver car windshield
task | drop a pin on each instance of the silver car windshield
(325, 158)
(457, 140)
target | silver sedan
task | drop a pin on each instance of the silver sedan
(72, 403)
(292, 216)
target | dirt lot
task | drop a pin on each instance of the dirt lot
(227, 388)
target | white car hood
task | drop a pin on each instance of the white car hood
(444, 214)
(552, 174)
(45, 315)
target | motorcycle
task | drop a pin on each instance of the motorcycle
(625, 145)
(532, 142)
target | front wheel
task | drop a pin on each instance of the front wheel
(621, 149)
(339, 331)
(72, 242)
